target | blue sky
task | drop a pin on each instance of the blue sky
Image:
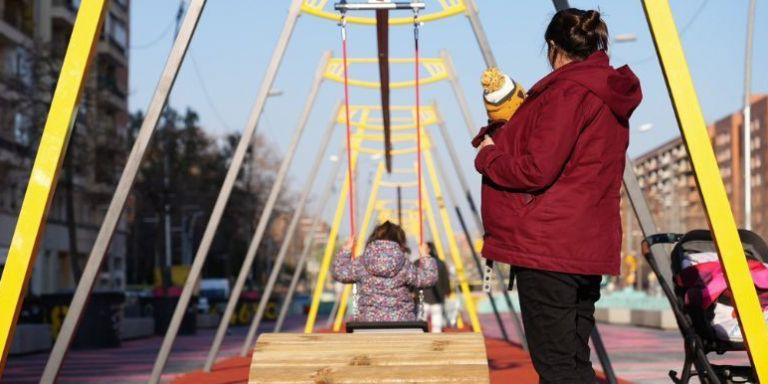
(235, 40)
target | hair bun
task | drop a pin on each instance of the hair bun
(590, 21)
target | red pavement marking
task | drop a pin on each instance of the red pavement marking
(507, 362)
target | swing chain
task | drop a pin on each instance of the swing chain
(421, 314)
(416, 24)
(353, 309)
(343, 25)
(487, 276)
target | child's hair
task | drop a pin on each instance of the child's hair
(389, 231)
(577, 33)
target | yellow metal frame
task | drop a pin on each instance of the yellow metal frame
(435, 70)
(428, 117)
(45, 171)
(360, 243)
(448, 8)
(718, 209)
(452, 244)
(331, 244)
(432, 224)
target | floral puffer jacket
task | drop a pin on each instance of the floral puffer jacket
(384, 278)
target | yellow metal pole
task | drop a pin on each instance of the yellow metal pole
(331, 244)
(432, 224)
(360, 243)
(452, 245)
(711, 188)
(45, 171)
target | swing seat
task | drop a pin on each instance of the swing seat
(387, 327)
(359, 358)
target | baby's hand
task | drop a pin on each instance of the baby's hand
(486, 142)
(424, 250)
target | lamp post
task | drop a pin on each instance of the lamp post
(747, 133)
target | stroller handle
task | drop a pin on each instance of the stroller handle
(662, 238)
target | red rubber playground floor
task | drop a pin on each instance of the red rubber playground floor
(638, 355)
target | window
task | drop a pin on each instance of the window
(21, 129)
(116, 31)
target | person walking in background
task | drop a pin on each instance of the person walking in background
(434, 297)
(551, 191)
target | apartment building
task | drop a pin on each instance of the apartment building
(33, 39)
(666, 177)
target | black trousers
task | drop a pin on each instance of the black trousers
(558, 311)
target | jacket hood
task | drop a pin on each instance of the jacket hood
(618, 88)
(383, 258)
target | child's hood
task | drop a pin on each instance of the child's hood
(383, 258)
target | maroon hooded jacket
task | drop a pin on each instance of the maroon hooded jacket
(551, 183)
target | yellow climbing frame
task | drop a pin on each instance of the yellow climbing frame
(45, 171)
(448, 8)
(719, 214)
(434, 68)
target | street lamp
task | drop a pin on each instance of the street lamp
(645, 127)
(625, 38)
(747, 148)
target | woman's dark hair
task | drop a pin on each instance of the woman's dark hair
(576, 33)
(389, 231)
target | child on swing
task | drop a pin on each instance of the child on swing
(384, 275)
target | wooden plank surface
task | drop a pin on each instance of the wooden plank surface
(369, 358)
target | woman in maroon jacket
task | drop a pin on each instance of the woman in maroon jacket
(550, 195)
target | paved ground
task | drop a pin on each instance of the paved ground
(638, 355)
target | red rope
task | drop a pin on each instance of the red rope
(418, 123)
(349, 135)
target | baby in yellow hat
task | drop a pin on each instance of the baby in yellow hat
(502, 96)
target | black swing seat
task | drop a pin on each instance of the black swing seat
(387, 327)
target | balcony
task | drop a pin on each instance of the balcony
(65, 10)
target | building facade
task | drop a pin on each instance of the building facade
(33, 40)
(665, 175)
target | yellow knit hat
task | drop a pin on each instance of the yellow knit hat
(502, 96)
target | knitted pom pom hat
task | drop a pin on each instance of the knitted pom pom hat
(502, 96)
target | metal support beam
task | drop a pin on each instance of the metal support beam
(477, 28)
(458, 92)
(30, 225)
(452, 245)
(440, 250)
(226, 189)
(265, 216)
(294, 223)
(452, 201)
(645, 218)
(602, 355)
(561, 4)
(343, 6)
(328, 189)
(107, 230)
(747, 124)
(694, 130)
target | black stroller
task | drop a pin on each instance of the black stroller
(695, 324)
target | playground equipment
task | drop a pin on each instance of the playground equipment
(64, 105)
(387, 358)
